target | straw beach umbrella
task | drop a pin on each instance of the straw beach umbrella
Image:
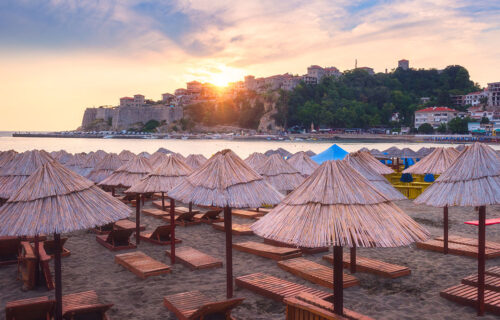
(128, 174)
(164, 178)
(302, 162)
(310, 153)
(144, 154)
(373, 171)
(280, 151)
(6, 156)
(56, 200)
(255, 160)
(280, 174)
(226, 181)
(437, 162)
(473, 180)
(337, 206)
(164, 151)
(195, 160)
(16, 171)
(105, 167)
(126, 155)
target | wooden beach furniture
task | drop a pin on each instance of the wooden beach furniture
(236, 229)
(470, 242)
(261, 210)
(27, 266)
(306, 306)
(126, 224)
(117, 240)
(276, 288)
(303, 249)
(30, 309)
(141, 264)
(84, 305)
(209, 216)
(49, 246)
(184, 217)
(457, 248)
(494, 271)
(161, 235)
(377, 267)
(194, 305)
(267, 251)
(104, 229)
(9, 249)
(195, 259)
(155, 213)
(490, 282)
(315, 272)
(467, 295)
(248, 214)
(157, 204)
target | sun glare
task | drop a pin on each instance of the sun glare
(222, 75)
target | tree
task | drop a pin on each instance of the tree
(425, 128)
(485, 120)
(150, 126)
(457, 125)
(442, 128)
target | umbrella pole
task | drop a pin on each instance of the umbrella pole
(445, 230)
(353, 259)
(37, 265)
(138, 219)
(172, 231)
(113, 191)
(58, 276)
(190, 207)
(338, 281)
(481, 260)
(229, 251)
(163, 201)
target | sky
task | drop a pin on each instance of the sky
(59, 57)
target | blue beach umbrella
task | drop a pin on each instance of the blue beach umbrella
(333, 153)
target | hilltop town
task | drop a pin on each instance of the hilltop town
(266, 104)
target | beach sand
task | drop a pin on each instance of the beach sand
(92, 267)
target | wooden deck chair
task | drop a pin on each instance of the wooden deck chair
(84, 305)
(303, 249)
(105, 229)
(184, 218)
(141, 264)
(49, 246)
(267, 250)
(30, 309)
(195, 259)
(9, 250)
(194, 305)
(161, 235)
(158, 205)
(209, 216)
(377, 267)
(116, 240)
(126, 224)
(236, 228)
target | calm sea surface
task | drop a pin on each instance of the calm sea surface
(186, 147)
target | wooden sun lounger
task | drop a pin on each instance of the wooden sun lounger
(490, 282)
(315, 272)
(237, 229)
(184, 217)
(467, 295)
(209, 216)
(303, 249)
(195, 305)
(470, 242)
(9, 249)
(33, 308)
(276, 288)
(195, 259)
(49, 247)
(246, 213)
(158, 205)
(126, 224)
(117, 240)
(84, 305)
(161, 236)
(377, 267)
(457, 249)
(305, 306)
(141, 264)
(267, 251)
(27, 266)
(155, 213)
(105, 229)
(493, 271)
(262, 210)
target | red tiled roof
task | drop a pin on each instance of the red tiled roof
(127, 98)
(433, 109)
(477, 92)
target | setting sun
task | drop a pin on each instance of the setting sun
(220, 75)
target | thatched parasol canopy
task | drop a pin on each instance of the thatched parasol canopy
(280, 151)
(280, 174)
(101, 154)
(392, 152)
(144, 154)
(170, 172)
(195, 160)
(408, 153)
(56, 200)
(472, 180)
(437, 162)
(337, 206)
(378, 154)
(105, 167)
(128, 174)
(164, 151)
(422, 152)
(461, 147)
(310, 153)
(256, 159)
(6, 157)
(76, 162)
(226, 180)
(303, 163)
(126, 155)
(16, 171)
(180, 156)
(372, 170)
(89, 163)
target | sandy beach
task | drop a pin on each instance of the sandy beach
(92, 267)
